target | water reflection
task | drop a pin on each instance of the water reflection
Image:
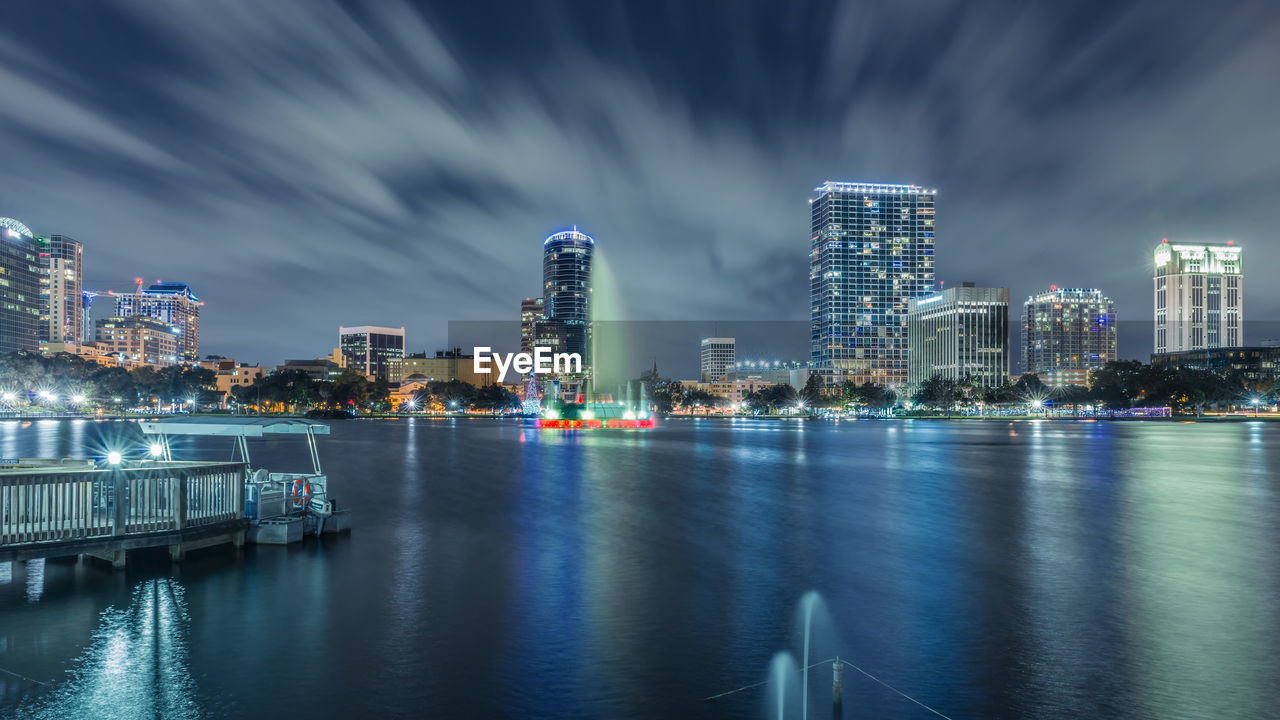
(135, 665)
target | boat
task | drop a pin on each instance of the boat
(281, 507)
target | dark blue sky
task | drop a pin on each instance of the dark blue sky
(307, 164)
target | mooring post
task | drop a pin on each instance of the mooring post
(837, 684)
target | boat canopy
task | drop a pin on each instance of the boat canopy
(233, 426)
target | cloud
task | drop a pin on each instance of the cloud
(306, 165)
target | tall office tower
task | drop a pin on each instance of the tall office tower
(170, 302)
(369, 348)
(961, 332)
(530, 313)
(19, 287)
(1199, 296)
(717, 358)
(62, 312)
(870, 253)
(1067, 334)
(566, 292)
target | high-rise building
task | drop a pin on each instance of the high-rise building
(369, 349)
(530, 313)
(61, 284)
(717, 358)
(870, 253)
(168, 302)
(20, 274)
(1199, 296)
(960, 333)
(1067, 334)
(140, 339)
(566, 293)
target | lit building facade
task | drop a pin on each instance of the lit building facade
(717, 358)
(20, 274)
(566, 294)
(370, 349)
(870, 253)
(61, 282)
(444, 366)
(530, 314)
(140, 339)
(172, 303)
(1067, 334)
(961, 332)
(1199, 296)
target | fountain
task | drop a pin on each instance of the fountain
(782, 686)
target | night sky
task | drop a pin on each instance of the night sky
(309, 164)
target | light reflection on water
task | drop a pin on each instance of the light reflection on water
(1017, 570)
(134, 668)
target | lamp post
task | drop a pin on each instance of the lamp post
(1254, 403)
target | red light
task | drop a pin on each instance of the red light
(1053, 287)
(1231, 242)
(1164, 240)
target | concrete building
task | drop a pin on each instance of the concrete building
(370, 349)
(1199, 296)
(172, 303)
(870, 252)
(140, 339)
(717, 358)
(1067, 334)
(961, 332)
(530, 314)
(445, 365)
(230, 374)
(61, 284)
(87, 351)
(20, 275)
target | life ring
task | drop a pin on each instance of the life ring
(300, 492)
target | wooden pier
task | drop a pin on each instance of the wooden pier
(58, 508)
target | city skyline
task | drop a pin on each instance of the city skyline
(1057, 137)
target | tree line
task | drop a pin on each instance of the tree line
(66, 380)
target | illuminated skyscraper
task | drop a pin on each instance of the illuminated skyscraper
(61, 284)
(20, 275)
(870, 252)
(1067, 334)
(566, 293)
(1199, 296)
(172, 303)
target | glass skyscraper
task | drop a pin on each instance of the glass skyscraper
(566, 294)
(20, 274)
(870, 253)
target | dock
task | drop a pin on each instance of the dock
(60, 508)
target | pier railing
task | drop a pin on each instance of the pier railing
(57, 503)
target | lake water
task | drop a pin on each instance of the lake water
(989, 569)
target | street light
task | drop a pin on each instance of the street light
(114, 457)
(1254, 403)
(156, 450)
